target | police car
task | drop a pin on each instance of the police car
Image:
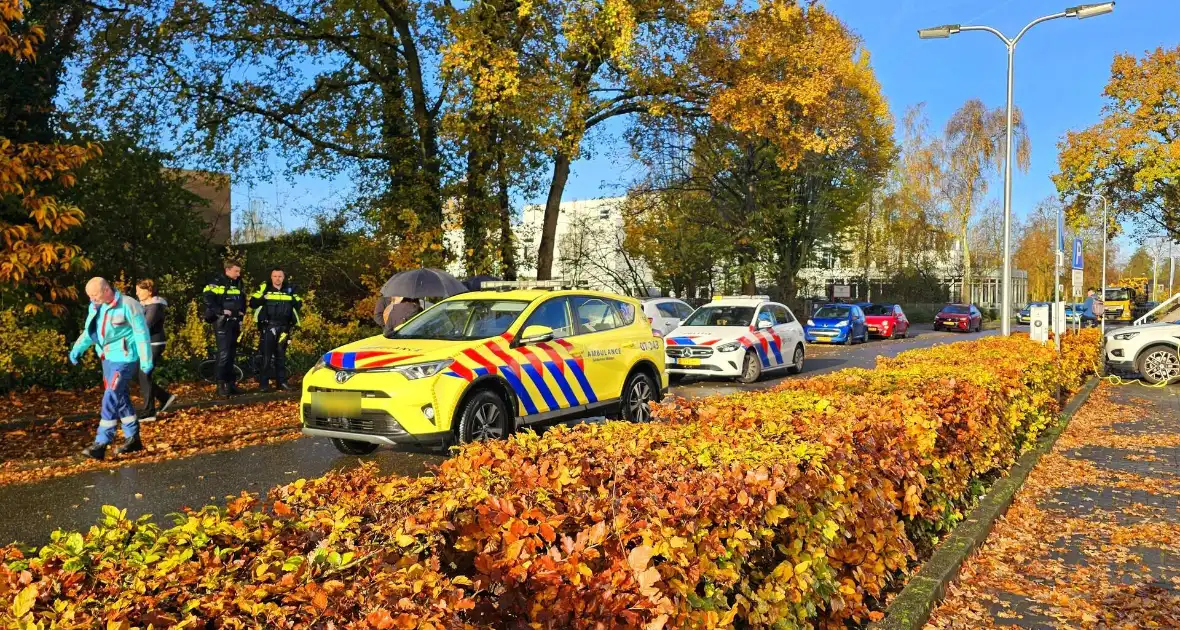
(736, 337)
(479, 365)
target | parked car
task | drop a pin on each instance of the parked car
(1073, 313)
(1149, 350)
(665, 314)
(737, 337)
(885, 320)
(964, 317)
(837, 323)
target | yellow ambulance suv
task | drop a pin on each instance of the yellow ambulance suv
(479, 365)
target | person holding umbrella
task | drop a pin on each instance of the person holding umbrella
(397, 302)
(391, 311)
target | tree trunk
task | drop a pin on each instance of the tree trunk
(561, 173)
(966, 288)
(507, 247)
(475, 215)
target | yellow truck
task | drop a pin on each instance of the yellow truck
(1126, 299)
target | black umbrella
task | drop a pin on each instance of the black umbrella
(423, 283)
(476, 282)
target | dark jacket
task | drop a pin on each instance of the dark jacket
(224, 294)
(153, 312)
(398, 313)
(276, 307)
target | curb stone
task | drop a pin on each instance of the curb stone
(925, 589)
(243, 399)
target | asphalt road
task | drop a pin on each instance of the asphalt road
(33, 511)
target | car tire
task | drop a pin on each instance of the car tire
(484, 418)
(848, 341)
(354, 447)
(1158, 364)
(637, 393)
(752, 368)
(797, 361)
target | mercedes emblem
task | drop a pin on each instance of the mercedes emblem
(343, 376)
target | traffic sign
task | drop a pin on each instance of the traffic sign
(1077, 253)
(1077, 283)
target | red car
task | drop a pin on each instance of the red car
(886, 320)
(963, 317)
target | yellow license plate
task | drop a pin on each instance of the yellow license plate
(688, 362)
(336, 404)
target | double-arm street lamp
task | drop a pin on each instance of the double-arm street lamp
(938, 32)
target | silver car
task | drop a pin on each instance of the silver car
(665, 314)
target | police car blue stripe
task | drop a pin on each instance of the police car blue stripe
(581, 376)
(683, 341)
(564, 384)
(762, 355)
(778, 356)
(521, 392)
(542, 387)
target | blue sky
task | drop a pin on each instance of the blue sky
(1061, 69)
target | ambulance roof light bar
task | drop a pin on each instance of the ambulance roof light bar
(544, 285)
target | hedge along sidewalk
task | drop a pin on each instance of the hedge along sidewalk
(922, 593)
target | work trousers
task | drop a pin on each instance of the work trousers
(227, 349)
(274, 355)
(116, 402)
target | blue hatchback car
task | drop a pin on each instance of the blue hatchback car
(837, 323)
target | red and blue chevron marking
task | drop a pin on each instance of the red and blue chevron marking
(364, 359)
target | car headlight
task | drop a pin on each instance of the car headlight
(1127, 335)
(810, 322)
(416, 371)
(729, 347)
(319, 365)
(843, 324)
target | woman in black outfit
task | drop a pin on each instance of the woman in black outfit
(153, 312)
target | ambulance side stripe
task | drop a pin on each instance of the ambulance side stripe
(564, 384)
(542, 387)
(521, 392)
(581, 376)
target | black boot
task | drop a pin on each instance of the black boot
(222, 390)
(285, 386)
(263, 386)
(95, 451)
(232, 389)
(130, 445)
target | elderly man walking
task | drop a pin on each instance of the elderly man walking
(117, 330)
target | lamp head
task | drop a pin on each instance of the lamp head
(1084, 11)
(938, 32)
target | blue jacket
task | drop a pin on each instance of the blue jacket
(118, 332)
(1088, 308)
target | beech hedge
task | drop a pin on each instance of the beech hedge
(790, 508)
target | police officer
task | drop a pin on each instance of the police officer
(225, 304)
(276, 309)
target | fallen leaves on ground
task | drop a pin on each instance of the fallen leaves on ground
(41, 403)
(1090, 541)
(42, 452)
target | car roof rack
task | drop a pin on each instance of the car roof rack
(541, 285)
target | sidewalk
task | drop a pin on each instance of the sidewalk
(1093, 538)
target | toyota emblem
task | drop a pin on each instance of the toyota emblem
(342, 377)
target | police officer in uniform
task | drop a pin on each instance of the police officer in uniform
(276, 309)
(225, 304)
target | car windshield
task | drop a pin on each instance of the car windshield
(721, 316)
(832, 312)
(1118, 295)
(957, 309)
(878, 309)
(462, 320)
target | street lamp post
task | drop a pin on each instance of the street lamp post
(1105, 237)
(940, 32)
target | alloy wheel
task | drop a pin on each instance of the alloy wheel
(1161, 365)
(489, 423)
(638, 399)
(798, 358)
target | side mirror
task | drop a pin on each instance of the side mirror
(536, 334)
(764, 325)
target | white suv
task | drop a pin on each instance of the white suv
(1149, 350)
(736, 337)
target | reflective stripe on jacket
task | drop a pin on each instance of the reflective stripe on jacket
(118, 332)
(276, 307)
(224, 294)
